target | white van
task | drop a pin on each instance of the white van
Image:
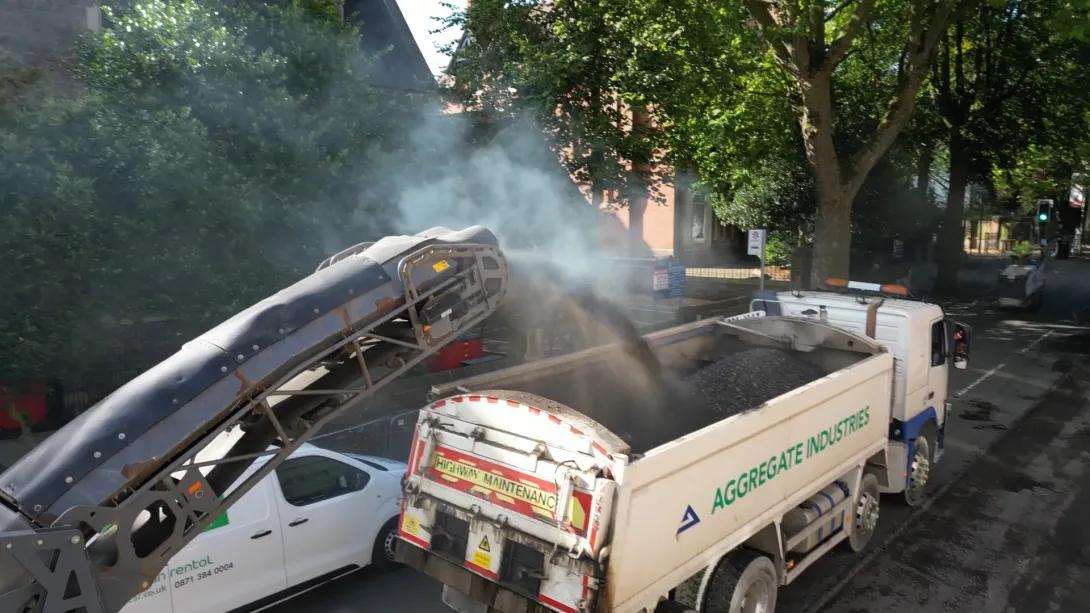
(318, 516)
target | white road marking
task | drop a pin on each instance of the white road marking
(997, 368)
(978, 381)
(1034, 343)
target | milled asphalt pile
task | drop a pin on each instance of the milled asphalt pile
(649, 412)
(749, 378)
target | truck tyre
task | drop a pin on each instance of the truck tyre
(919, 468)
(865, 512)
(673, 606)
(742, 581)
(383, 556)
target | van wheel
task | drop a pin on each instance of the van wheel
(865, 511)
(742, 581)
(384, 555)
(919, 469)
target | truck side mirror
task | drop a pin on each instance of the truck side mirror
(962, 339)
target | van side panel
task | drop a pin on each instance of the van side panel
(238, 560)
(155, 599)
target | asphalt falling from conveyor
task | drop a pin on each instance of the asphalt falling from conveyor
(634, 395)
(646, 404)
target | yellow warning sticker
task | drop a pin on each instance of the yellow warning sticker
(484, 544)
(440, 266)
(482, 559)
(412, 525)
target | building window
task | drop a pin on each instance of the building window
(720, 230)
(700, 211)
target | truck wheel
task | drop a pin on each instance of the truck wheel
(672, 606)
(742, 582)
(865, 511)
(919, 469)
(383, 555)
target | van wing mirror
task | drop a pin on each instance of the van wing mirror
(962, 343)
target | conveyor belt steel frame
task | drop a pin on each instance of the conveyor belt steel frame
(53, 555)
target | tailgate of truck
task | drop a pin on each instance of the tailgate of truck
(523, 502)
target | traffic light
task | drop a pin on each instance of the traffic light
(1044, 210)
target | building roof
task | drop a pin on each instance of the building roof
(384, 32)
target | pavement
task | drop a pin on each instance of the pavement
(1001, 528)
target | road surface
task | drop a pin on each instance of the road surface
(1011, 535)
(1018, 358)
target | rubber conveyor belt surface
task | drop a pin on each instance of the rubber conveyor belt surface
(177, 397)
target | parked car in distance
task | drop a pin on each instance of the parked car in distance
(319, 516)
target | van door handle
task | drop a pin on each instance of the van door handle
(261, 534)
(297, 522)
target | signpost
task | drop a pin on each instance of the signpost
(756, 246)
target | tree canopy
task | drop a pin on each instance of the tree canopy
(826, 122)
(210, 154)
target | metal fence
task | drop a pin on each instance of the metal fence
(772, 273)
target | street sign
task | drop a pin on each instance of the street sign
(669, 282)
(661, 281)
(756, 243)
(1078, 197)
(675, 281)
(757, 247)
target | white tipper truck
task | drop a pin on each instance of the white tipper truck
(518, 503)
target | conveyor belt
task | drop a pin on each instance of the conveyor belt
(279, 371)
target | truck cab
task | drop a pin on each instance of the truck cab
(922, 341)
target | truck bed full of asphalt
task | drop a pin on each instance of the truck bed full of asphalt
(649, 411)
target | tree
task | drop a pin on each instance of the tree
(809, 50)
(564, 68)
(212, 154)
(1004, 85)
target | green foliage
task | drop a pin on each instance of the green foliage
(566, 69)
(1008, 86)
(779, 247)
(1071, 20)
(214, 154)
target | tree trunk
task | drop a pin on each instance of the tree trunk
(637, 204)
(952, 241)
(637, 200)
(923, 175)
(833, 231)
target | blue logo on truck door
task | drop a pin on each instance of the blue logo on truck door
(688, 520)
